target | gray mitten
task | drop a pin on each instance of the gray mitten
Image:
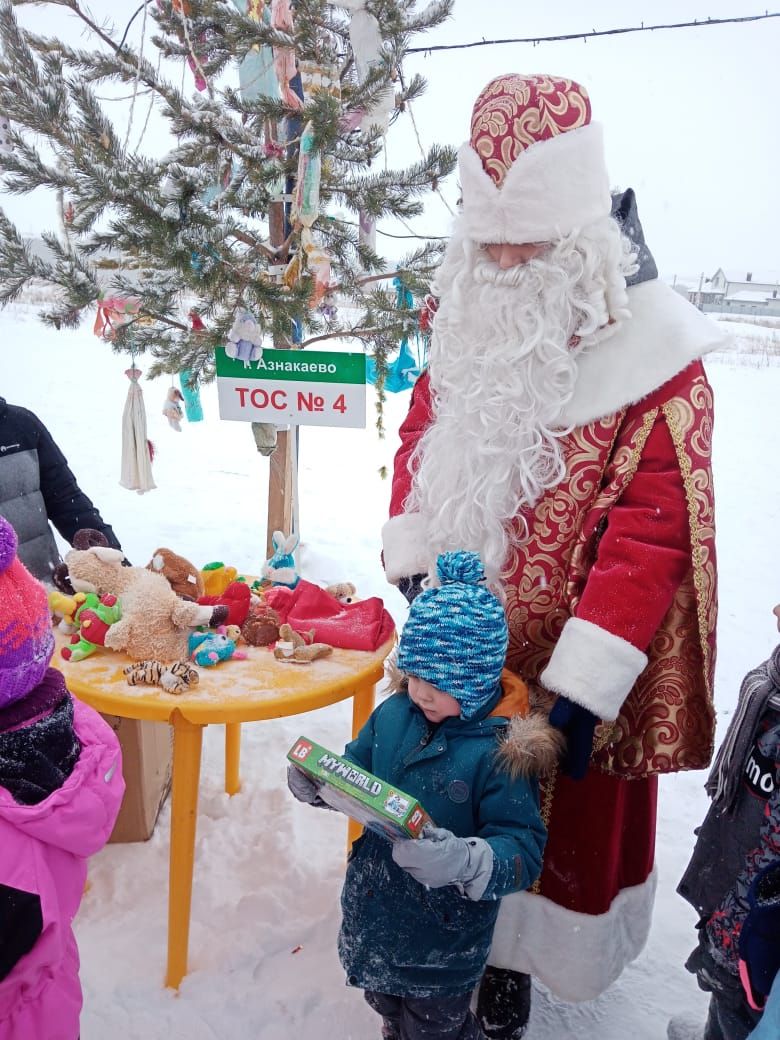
(303, 787)
(440, 858)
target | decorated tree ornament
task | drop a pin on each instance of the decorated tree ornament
(367, 231)
(202, 261)
(320, 76)
(193, 409)
(112, 313)
(137, 449)
(245, 339)
(172, 409)
(402, 373)
(292, 272)
(198, 49)
(318, 264)
(256, 73)
(284, 57)
(306, 200)
(366, 39)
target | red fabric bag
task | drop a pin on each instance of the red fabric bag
(364, 625)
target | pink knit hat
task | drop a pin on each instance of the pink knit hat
(26, 637)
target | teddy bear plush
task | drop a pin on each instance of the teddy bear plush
(184, 577)
(343, 591)
(293, 648)
(155, 622)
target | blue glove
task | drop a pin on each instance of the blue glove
(440, 858)
(577, 724)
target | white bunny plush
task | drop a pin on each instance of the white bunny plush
(280, 568)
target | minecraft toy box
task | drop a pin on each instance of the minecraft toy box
(344, 786)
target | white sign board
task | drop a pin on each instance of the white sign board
(299, 387)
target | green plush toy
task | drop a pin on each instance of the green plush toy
(92, 619)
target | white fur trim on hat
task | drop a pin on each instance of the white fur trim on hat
(403, 547)
(575, 955)
(554, 187)
(593, 667)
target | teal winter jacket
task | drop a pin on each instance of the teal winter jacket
(397, 936)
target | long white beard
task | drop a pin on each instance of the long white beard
(503, 364)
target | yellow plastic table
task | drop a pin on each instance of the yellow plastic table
(230, 693)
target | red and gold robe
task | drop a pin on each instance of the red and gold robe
(611, 601)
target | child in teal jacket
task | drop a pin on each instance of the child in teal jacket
(418, 915)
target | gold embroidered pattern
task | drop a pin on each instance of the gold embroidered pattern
(667, 721)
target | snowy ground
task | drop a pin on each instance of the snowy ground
(268, 871)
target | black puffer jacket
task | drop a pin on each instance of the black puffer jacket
(37, 486)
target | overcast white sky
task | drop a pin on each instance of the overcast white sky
(690, 115)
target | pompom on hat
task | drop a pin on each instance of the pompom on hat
(456, 634)
(26, 637)
(533, 169)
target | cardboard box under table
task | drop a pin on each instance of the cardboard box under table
(147, 756)
(234, 692)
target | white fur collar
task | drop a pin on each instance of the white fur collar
(663, 336)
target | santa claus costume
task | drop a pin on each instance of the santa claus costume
(563, 430)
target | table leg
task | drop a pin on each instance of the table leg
(187, 744)
(232, 757)
(362, 706)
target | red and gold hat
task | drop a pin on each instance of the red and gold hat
(533, 169)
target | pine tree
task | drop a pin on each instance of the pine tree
(207, 228)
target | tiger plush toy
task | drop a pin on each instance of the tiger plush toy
(173, 678)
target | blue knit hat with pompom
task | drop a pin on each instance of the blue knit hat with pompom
(456, 635)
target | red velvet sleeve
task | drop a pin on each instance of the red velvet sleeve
(645, 551)
(417, 419)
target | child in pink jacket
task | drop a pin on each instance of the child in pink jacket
(60, 791)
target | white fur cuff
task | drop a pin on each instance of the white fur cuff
(554, 187)
(576, 955)
(593, 667)
(403, 547)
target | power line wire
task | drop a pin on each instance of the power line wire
(595, 32)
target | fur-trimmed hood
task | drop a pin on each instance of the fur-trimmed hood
(531, 746)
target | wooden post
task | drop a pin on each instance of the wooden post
(280, 476)
(280, 486)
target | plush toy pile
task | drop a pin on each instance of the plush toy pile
(171, 616)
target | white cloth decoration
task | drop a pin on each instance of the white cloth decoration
(136, 464)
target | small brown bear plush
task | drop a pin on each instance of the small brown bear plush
(184, 578)
(344, 591)
(292, 647)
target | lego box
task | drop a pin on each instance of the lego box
(358, 793)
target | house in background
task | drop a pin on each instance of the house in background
(732, 292)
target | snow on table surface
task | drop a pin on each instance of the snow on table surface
(231, 691)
